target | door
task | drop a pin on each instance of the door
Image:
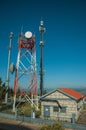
(73, 117)
(46, 111)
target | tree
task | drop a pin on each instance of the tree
(3, 90)
(0, 88)
(0, 83)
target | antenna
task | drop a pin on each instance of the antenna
(28, 35)
(21, 29)
(41, 30)
(8, 68)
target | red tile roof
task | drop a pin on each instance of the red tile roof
(72, 93)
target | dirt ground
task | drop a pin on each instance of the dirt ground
(9, 124)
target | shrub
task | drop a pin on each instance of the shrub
(38, 113)
(56, 126)
(46, 127)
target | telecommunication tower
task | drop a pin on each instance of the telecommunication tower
(8, 68)
(25, 70)
(41, 30)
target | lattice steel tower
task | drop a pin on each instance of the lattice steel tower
(25, 73)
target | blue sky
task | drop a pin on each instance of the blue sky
(65, 38)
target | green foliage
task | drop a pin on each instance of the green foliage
(26, 110)
(3, 90)
(18, 92)
(46, 127)
(26, 113)
(38, 113)
(56, 126)
(0, 83)
(8, 111)
(10, 92)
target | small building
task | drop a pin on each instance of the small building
(63, 104)
(84, 99)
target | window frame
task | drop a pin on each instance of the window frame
(63, 109)
(55, 109)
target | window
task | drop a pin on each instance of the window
(55, 109)
(63, 110)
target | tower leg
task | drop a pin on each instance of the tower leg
(14, 104)
(32, 99)
(36, 101)
(6, 97)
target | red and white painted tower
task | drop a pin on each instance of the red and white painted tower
(25, 73)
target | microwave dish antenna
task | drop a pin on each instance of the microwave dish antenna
(28, 34)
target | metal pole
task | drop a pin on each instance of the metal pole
(41, 30)
(7, 77)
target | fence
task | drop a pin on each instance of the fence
(43, 121)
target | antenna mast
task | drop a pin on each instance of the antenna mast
(7, 77)
(41, 30)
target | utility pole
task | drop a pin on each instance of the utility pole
(41, 30)
(7, 77)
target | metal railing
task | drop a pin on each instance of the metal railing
(42, 121)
